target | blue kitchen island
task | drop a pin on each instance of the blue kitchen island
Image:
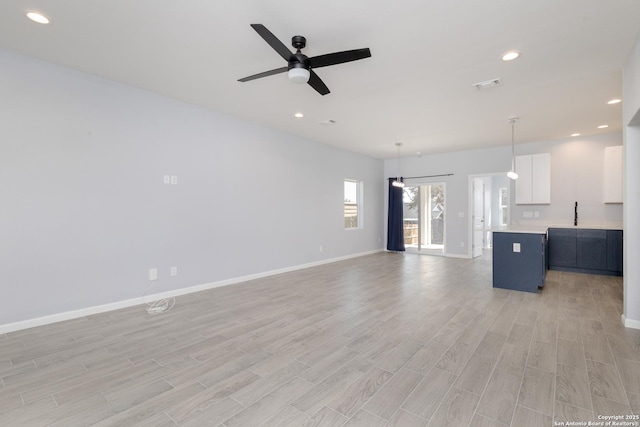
(520, 259)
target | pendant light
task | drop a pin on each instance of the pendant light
(398, 181)
(512, 173)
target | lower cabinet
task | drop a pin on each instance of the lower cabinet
(562, 250)
(614, 251)
(586, 250)
(591, 249)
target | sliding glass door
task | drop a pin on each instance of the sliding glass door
(424, 217)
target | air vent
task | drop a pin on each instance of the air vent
(328, 122)
(488, 84)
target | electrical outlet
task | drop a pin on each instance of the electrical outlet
(462, 244)
(174, 180)
(153, 274)
(516, 247)
(166, 179)
(173, 271)
(460, 214)
(536, 214)
(527, 214)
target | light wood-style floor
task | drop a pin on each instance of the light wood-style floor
(382, 340)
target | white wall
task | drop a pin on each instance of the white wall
(631, 121)
(576, 174)
(460, 164)
(85, 212)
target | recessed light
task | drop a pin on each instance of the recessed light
(299, 115)
(603, 126)
(511, 55)
(38, 17)
(575, 134)
(614, 101)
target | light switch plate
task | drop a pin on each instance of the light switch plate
(174, 180)
(153, 274)
(516, 247)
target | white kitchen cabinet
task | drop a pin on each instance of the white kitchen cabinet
(533, 186)
(613, 174)
(524, 187)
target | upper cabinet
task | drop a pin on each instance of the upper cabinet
(533, 186)
(613, 174)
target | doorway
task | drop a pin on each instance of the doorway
(489, 209)
(478, 217)
(424, 218)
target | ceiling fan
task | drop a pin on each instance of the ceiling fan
(300, 67)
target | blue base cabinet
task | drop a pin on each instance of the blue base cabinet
(519, 261)
(563, 250)
(614, 251)
(591, 251)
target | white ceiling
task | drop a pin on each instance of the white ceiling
(415, 89)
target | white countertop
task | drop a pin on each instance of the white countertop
(542, 228)
(589, 226)
(522, 229)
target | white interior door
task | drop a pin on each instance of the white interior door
(478, 217)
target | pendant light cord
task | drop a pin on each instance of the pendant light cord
(398, 145)
(512, 173)
(398, 181)
(513, 150)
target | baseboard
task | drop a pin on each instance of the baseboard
(68, 315)
(585, 271)
(630, 323)
(74, 314)
(461, 256)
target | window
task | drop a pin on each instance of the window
(504, 206)
(352, 204)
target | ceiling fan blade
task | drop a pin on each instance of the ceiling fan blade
(339, 57)
(264, 74)
(273, 41)
(317, 83)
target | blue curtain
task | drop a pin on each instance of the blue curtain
(395, 233)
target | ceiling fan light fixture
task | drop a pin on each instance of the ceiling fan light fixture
(512, 175)
(299, 75)
(299, 66)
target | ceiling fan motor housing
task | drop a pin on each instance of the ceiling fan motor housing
(299, 60)
(298, 42)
